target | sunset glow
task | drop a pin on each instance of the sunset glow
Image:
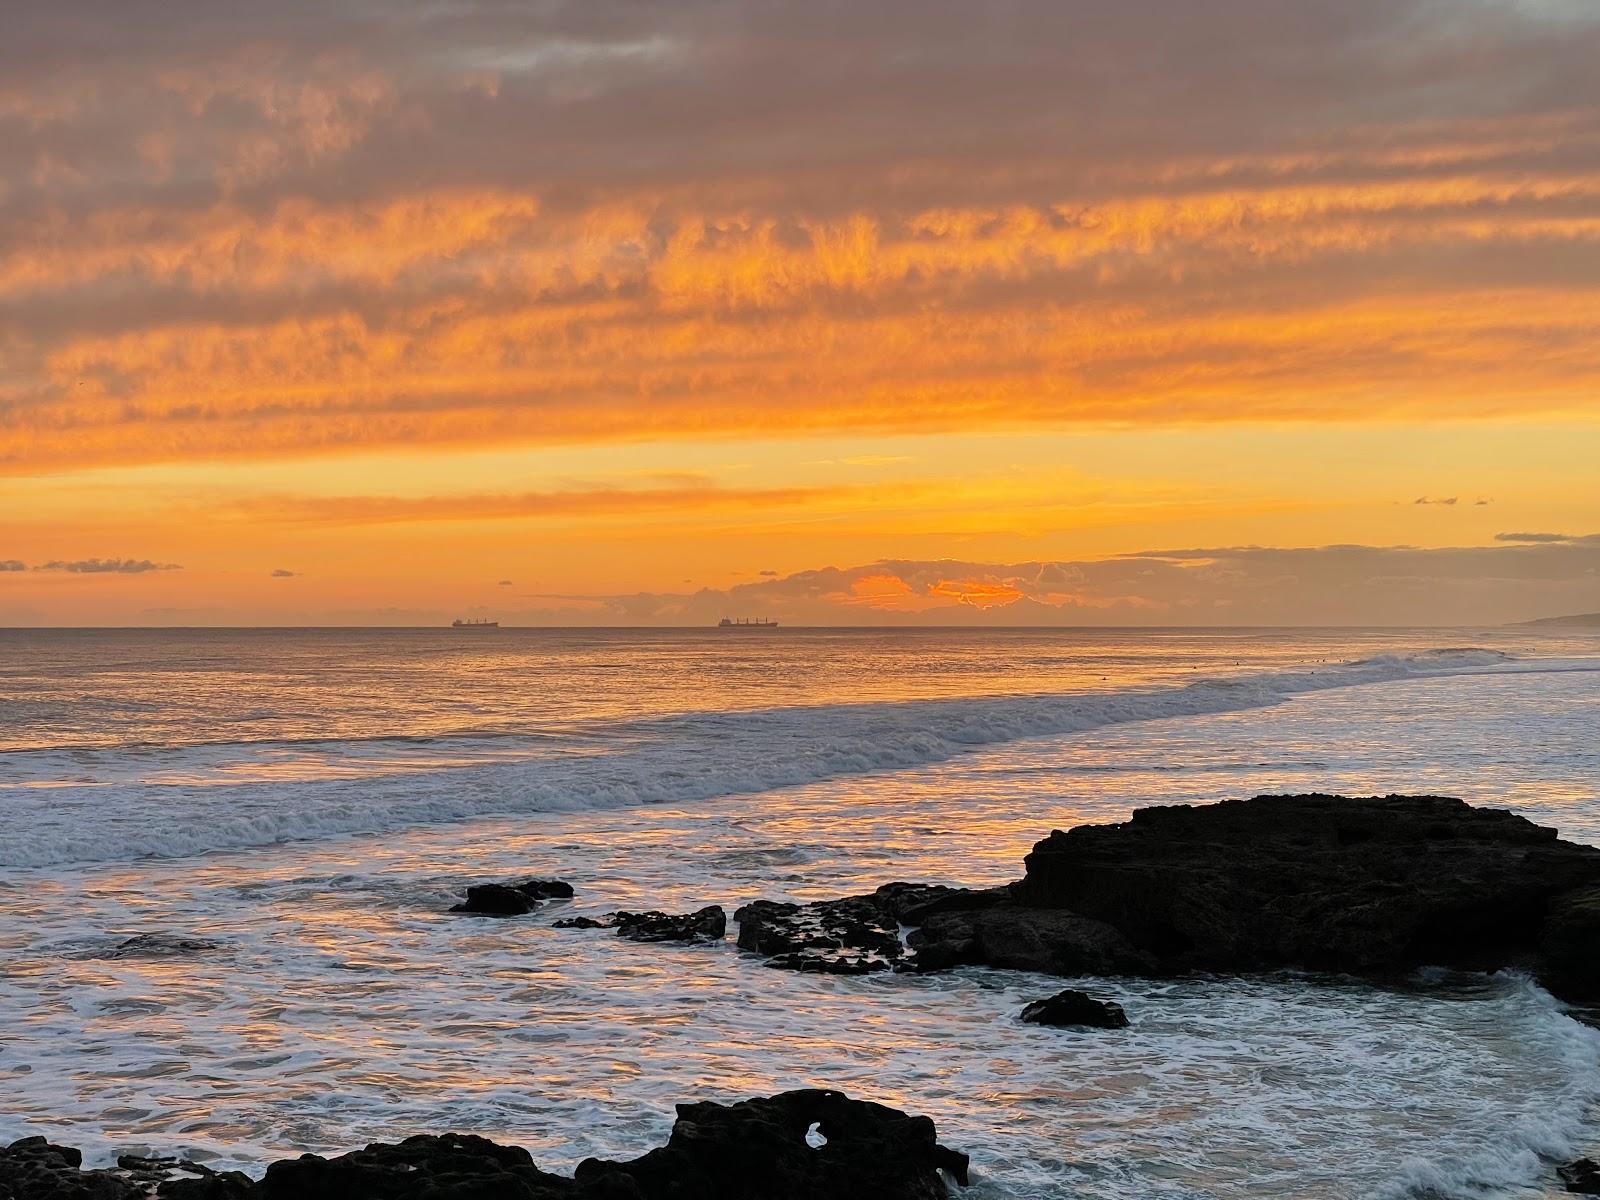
(634, 315)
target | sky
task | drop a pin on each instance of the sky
(616, 312)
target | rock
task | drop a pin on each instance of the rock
(1366, 885)
(709, 924)
(822, 936)
(1582, 1177)
(1570, 945)
(751, 1150)
(512, 899)
(497, 900)
(35, 1169)
(606, 922)
(444, 1167)
(1026, 939)
(1073, 1007)
(757, 1150)
(546, 889)
(157, 945)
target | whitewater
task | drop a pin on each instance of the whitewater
(313, 802)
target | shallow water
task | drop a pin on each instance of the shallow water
(344, 1004)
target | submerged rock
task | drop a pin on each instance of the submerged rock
(512, 899)
(35, 1169)
(1582, 1177)
(158, 945)
(1073, 1007)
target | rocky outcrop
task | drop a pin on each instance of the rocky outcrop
(439, 1167)
(512, 899)
(758, 1150)
(1363, 885)
(34, 1169)
(1368, 885)
(709, 924)
(855, 935)
(1569, 946)
(1075, 1008)
(812, 1144)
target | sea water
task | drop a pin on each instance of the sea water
(313, 802)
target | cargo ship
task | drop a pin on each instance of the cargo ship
(458, 623)
(746, 623)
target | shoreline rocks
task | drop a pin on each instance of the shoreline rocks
(754, 1149)
(1370, 886)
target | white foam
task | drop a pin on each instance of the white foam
(78, 806)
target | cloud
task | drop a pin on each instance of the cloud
(1241, 585)
(11, 564)
(281, 573)
(102, 566)
(1532, 537)
(577, 502)
(1447, 501)
(768, 574)
(504, 583)
(305, 229)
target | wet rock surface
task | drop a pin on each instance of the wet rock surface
(751, 1150)
(512, 899)
(1370, 885)
(35, 1169)
(1364, 885)
(1075, 1008)
(757, 1149)
(709, 924)
(1581, 1177)
(856, 935)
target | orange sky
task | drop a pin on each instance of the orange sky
(386, 313)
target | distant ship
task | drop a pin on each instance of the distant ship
(746, 623)
(460, 624)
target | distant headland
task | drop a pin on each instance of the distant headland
(1577, 621)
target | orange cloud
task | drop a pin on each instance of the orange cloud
(979, 593)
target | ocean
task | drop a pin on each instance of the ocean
(313, 801)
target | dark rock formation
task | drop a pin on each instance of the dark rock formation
(157, 945)
(1073, 1007)
(757, 1150)
(709, 924)
(751, 1150)
(34, 1169)
(606, 922)
(1370, 886)
(1053, 941)
(1363, 885)
(1582, 1177)
(512, 899)
(444, 1167)
(1570, 945)
(855, 935)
